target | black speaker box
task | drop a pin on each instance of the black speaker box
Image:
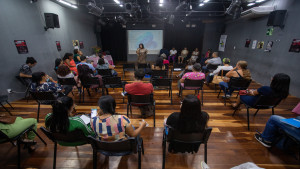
(276, 18)
(51, 20)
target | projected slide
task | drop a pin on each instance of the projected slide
(152, 40)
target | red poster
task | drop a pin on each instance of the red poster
(81, 44)
(58, 45)
(21, 46)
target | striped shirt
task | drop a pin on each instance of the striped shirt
(111, 128)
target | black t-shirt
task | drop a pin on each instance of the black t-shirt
(174, 118)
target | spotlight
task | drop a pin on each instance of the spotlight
(94, 9)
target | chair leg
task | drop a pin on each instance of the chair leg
(256, 112)
(38, 113)
(237, 94)
(273, 113)
(202, 96)
(54, 158)
(171, 96)
(130, 110)
(83, 95)
(139, 158)
(6, 109)
(219, 93)
(164, 154)
(9, 104)
(39, 136)
(127, 110)
(94, 159)
(236, 109)
(88, 90)
(248, 118)
(107, 91)
(205, 153)
(225, 99)
(19, 154)
(142, 146)
(154, 114)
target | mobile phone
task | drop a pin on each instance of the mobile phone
(93, 113)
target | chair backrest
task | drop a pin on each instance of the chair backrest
(23, 81)
(212, 67)
(159, 73)
(193, 83)
(90, 81)
(140, 99)
(67, 81)
(162, 82)
(129, 66)
(143, 65)
(70, 137)
(104, 72)
(128, 145)
(239, 83)
(223, 72)
(187, 71)
(112, 80)
(267, 101)
(178, 66)
(43, 96)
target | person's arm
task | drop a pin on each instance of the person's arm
(83, 127)
(207, 61)
(146, 51)
(152, 67)
(67, 61)
(78, 58)
(138, 51)
(231, 72)
(253, 93)
(133, 133)
(182, 79)
(216, 71)
(110, 66)
(24, 75)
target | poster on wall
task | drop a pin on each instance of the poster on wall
(222, 43)
(21, 46)
(81, 44)
(75, 42)
(260, 45)
(270, 32)
(269, 46)
(247, 44)
(58, 45)
(254, 44)
(295, 46)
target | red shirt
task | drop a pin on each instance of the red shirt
(139, 88)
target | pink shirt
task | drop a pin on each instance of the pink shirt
(193, 76)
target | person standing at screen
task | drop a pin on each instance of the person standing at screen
(141, 53)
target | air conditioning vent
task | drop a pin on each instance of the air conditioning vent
(256, 12)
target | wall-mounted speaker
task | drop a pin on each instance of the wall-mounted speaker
(51, 20)
(276, 18)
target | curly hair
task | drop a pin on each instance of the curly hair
(63, 70)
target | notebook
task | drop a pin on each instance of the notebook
(85, 119)
(292, 121)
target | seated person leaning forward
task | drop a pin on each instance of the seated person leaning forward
(240, 71)
(25, 71)
(109, 126)
(225, 67)
(102, 65)
(44, 83)
(215, 60)
(196, 74)
(138, 87)
(61, 120)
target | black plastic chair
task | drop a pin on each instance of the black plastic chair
(104, 72)
(46, 98)
(263, 102)
(4, 98)
(159, 74)
(18, 139)
(143, 65)
(211, 67)
(163, 84)
(236, 84)
(177, 68)
(141, 100)
(196, 85)
(23, 81)
(69, 137)
(128, 146)
(182, 143)
(67, 82)
(128, 67)
(113, 82)
(86, 84)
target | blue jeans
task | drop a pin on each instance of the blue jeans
(273, 125)
(224, 87)
(204, 69)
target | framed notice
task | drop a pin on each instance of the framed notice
(295, 46)
(222, 43)
(247, 44)
(58, 45)
(254, 44)
(21, 46)
(81, 44)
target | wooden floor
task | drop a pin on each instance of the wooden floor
(230, 143)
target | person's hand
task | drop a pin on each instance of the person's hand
(143, 124)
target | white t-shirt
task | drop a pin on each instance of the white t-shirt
(173, 52)
(215, 72)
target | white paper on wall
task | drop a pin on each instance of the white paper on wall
(222, 43)
(254, 44)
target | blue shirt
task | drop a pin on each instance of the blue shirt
(250, 100)
(88, 64)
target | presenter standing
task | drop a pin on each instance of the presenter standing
(141, 54)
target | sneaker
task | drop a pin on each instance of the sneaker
(262, 141)
(228, 96)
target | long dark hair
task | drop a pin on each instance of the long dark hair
(159, 62)
(280, 85)
(57, 62)
(59, 121)
(191, 118)
(142, 45)
(37, 77)
(67, 56)
(107, 104)
(84, 72)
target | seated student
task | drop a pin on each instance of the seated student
(108, 57)
(84, 73)
(271, 132)
(195, 75)
(195, 55)
(158, 64)
(190, 119)
(61, 120)
(17, 126)
(225, 66)
(187, 67)
(165, 61)
(83, 62)
(44, 83)
(58, 62)
(103, 65)
(240, 71)
(138, 87)
(25, 70)
(215, 60)
(173, 53)
(64, 72)
(114, 127)
(77, 55)
(69, 61)
(279, 88)
(183, 55)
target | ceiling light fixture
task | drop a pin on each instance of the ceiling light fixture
(206, 1)
(67, 3)
(121, 5)
(258, 1)
(160, 5)
(201, 4)
(117, 1)
(251, 4)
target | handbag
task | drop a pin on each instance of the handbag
(217, 79)
(7, 119)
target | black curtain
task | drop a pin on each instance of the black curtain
(114, 39)
(180, 36)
